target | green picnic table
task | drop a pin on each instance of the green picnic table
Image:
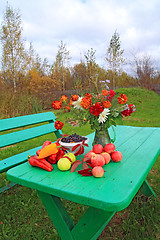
(105, 196)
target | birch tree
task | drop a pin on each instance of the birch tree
(13, 52)
(60, 67)
(91, 67)
(114, 56)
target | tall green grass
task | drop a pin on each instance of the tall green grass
(22, 215)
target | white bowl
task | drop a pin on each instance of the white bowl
(69, 146)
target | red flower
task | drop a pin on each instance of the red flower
(122, 99)
(86, 102)
(96, 109)
(129, 110)
(74, 97)
(58, 125)
(132, 108)
(104, 92)
(126, 113)
(68, 108)
(88, 95)
(106, 104)
(111, 93)
(56, 104)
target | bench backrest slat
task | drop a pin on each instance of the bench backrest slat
(20, 136)
(16, 122)
(47, 119)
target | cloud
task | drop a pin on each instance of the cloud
(90, 23)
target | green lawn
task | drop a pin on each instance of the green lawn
(22, 215)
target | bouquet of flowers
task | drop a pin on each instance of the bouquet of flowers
(102, 110)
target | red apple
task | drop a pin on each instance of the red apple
(89, 154)
(116, 156)
(97, 148)
(98, 171)
(106, 156)
(97, 160)
(109, 148)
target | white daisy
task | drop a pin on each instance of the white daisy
(104, 115)
(77, 104)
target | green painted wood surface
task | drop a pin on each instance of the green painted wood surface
(58, 215)
(147, 190)
(14, 137)
(140, 148)
(88, 227)
(16, 122)
(16, 159)
(22, 135)
(17, 135)
(91, 224)
(5, 188)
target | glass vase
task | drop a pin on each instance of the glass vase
(102, 137)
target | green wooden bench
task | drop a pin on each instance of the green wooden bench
(17, 134)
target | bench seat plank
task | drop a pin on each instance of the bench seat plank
(17, 159)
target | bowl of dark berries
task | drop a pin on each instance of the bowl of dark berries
(74, 143)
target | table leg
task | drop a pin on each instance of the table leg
(10, 185)
(147, 190)
(58, 215)
(89, 226)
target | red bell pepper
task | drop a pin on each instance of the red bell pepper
(42, 163)
(60, 154)
(46, 143)
(38, 151)
(52, 158)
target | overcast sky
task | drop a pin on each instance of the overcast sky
(86, 24)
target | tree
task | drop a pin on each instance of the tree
(60, 67)
(79, 75)
(46, 67)
(13, 52)
(144, 70)
(33, 60)
(114, 56)
(91, 67)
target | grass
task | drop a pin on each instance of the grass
(24, 217)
